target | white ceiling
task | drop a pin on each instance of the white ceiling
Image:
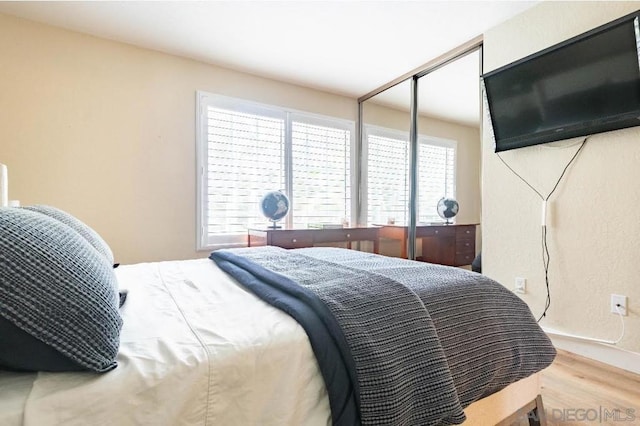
(344, 47)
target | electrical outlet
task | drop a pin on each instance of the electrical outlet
(520, 285)
(618, 299)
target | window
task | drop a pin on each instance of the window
(387, 175)
(246, 150)
(321, 173)
(436, 176)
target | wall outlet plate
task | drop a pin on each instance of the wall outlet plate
(520, 285)
(618, 299)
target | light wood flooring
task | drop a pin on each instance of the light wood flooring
(580, 391)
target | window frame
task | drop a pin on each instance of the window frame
(444, 143)
(204, 99)
(324, 121)
(371, 129)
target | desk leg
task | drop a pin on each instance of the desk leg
(376, 246)
(405, 243)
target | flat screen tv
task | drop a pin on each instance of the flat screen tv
(588, 84)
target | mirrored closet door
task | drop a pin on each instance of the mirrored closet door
(419, 135)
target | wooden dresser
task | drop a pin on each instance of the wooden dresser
(299, 238)
(453, 245)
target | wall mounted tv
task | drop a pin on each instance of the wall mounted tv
(588, 84)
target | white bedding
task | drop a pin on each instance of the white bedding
(196, 349)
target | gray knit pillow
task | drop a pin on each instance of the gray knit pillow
(57, 289)
(80, 227)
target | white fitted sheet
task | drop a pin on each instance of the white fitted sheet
(196, 349)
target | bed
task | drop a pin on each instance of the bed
(199, 348)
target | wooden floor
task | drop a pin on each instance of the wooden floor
(579, 391)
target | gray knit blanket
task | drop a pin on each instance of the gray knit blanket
(425, 340)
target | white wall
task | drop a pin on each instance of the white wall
(593, 238)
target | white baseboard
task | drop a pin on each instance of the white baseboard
(607, 354)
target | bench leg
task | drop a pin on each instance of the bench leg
(537, 416)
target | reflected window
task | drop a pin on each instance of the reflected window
(387, 175)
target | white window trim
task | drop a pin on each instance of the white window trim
(203, 99)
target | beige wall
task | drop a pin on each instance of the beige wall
(594, 222)
(106, 131)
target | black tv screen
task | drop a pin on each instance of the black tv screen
(588, 84)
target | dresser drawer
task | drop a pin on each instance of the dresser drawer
(435, 231)
(291, 239)
(466, 232)
(464, 258)
(345, 235)
(467, 246)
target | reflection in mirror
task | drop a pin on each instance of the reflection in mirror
(448, 152)
(385, 156)
(449, 142)
(451, 92)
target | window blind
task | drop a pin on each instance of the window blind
(388, 176)
(436, 179)
(246, 150)
(387, 179)
(245, 160)
(321, 174)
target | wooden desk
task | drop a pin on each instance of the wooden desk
(453, 245)
(299, 238)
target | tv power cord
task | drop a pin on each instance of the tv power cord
(546, 257)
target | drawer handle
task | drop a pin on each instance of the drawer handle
(468, 232)
(294, 241)
(437, 231)
(467, 245)
(348, 235)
